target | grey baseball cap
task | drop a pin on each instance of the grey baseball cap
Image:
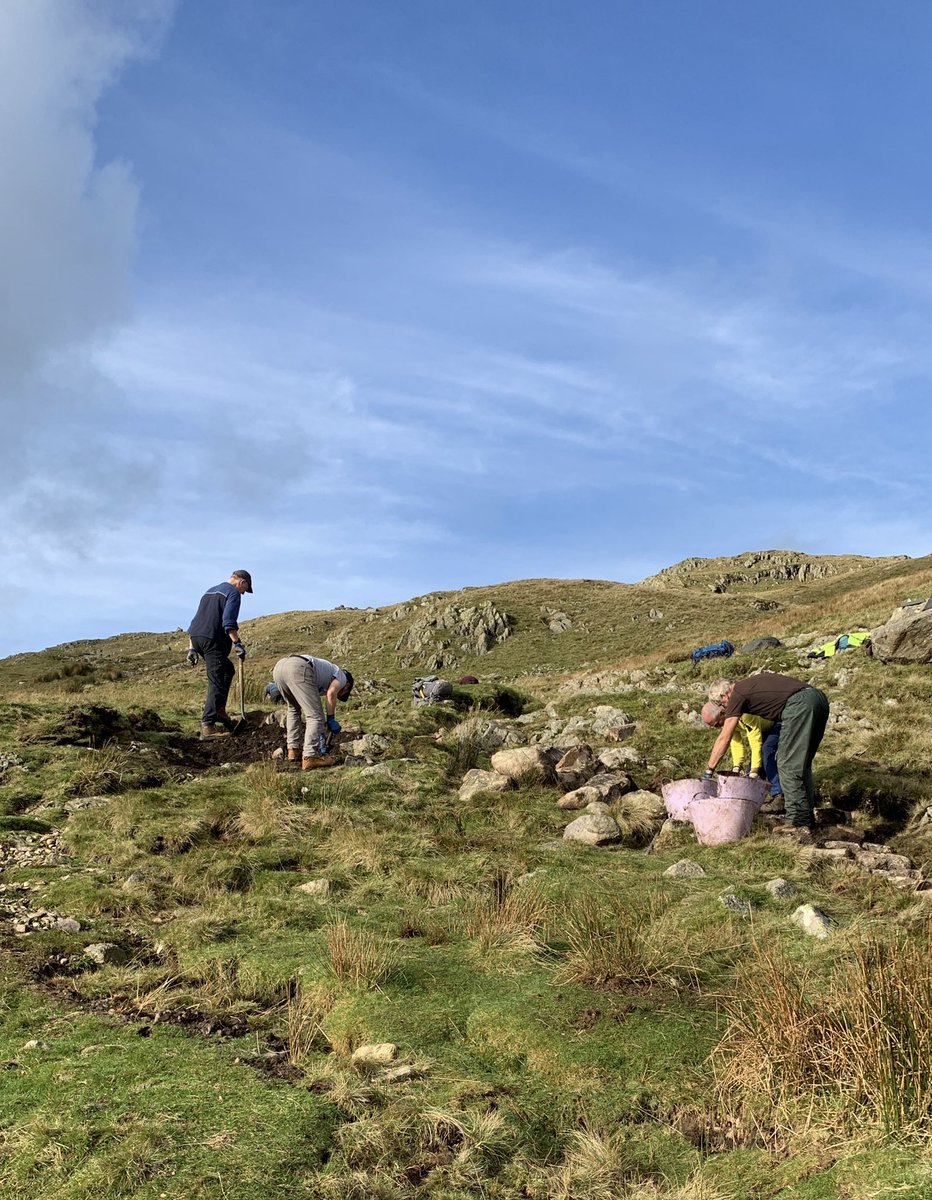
(245, 576)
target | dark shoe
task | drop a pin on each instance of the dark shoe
(293, 754)
(208, 732)
(319, 760)
(774, 805)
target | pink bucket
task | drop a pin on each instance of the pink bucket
(678, 796)
(717, 820)
(739, 787)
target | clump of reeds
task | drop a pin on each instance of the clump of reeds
(858, 1044)
(358, 957)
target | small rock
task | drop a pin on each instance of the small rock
(872, 861)
(734, 904)
(399, 1074)
(314, 887)
(781, 889)
(377, 1054)
(685, 869)
(279, 752)
(522, 763)
(621, 757)
(579, 798)
(106, 953)
(813, 920)
(68, 924)
(370, 744)
(575, 767)
(482, 781)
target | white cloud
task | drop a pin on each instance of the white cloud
(67, 238)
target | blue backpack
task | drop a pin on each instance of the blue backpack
(715, 650)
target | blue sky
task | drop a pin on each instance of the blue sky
(375, 299)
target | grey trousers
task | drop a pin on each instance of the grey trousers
(298, 685)
(802, 725)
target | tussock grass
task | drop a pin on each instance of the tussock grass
(856, 1046)
(625, 943)
(357, 957)
(466, 747)
(269, 812)
(98, 772)
(511, 920)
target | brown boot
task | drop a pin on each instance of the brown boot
(209, 732)
(294, 754)
(319, 760)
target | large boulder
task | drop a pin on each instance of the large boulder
(905, 638)
(606, 717)
(524, 762)
(761, 643)
(596, 827)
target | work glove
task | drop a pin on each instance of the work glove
(240, 650)
(754, 775)
(333, 725)
(193, 657)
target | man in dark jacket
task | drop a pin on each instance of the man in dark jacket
(803, 714)
(211, 635)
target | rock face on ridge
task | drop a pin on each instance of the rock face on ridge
(761, 567)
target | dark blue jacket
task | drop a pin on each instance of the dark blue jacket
(217, 613)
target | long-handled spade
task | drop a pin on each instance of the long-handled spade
(240, 723)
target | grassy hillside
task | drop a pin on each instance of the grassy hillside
(355, 984)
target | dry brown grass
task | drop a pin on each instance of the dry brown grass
(358, 957)
(857, 1046)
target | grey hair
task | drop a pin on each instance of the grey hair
(719, 688)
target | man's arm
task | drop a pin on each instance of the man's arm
(231, 615)
(722, 742)
(333, 691)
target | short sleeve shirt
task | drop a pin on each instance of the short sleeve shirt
(763, 695)
(325, 672)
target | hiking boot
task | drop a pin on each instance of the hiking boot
(774, 805)
(211, 731)
(319, 760)
(294, 755)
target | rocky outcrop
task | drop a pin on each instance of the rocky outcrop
(758, 567)
(436, 639)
